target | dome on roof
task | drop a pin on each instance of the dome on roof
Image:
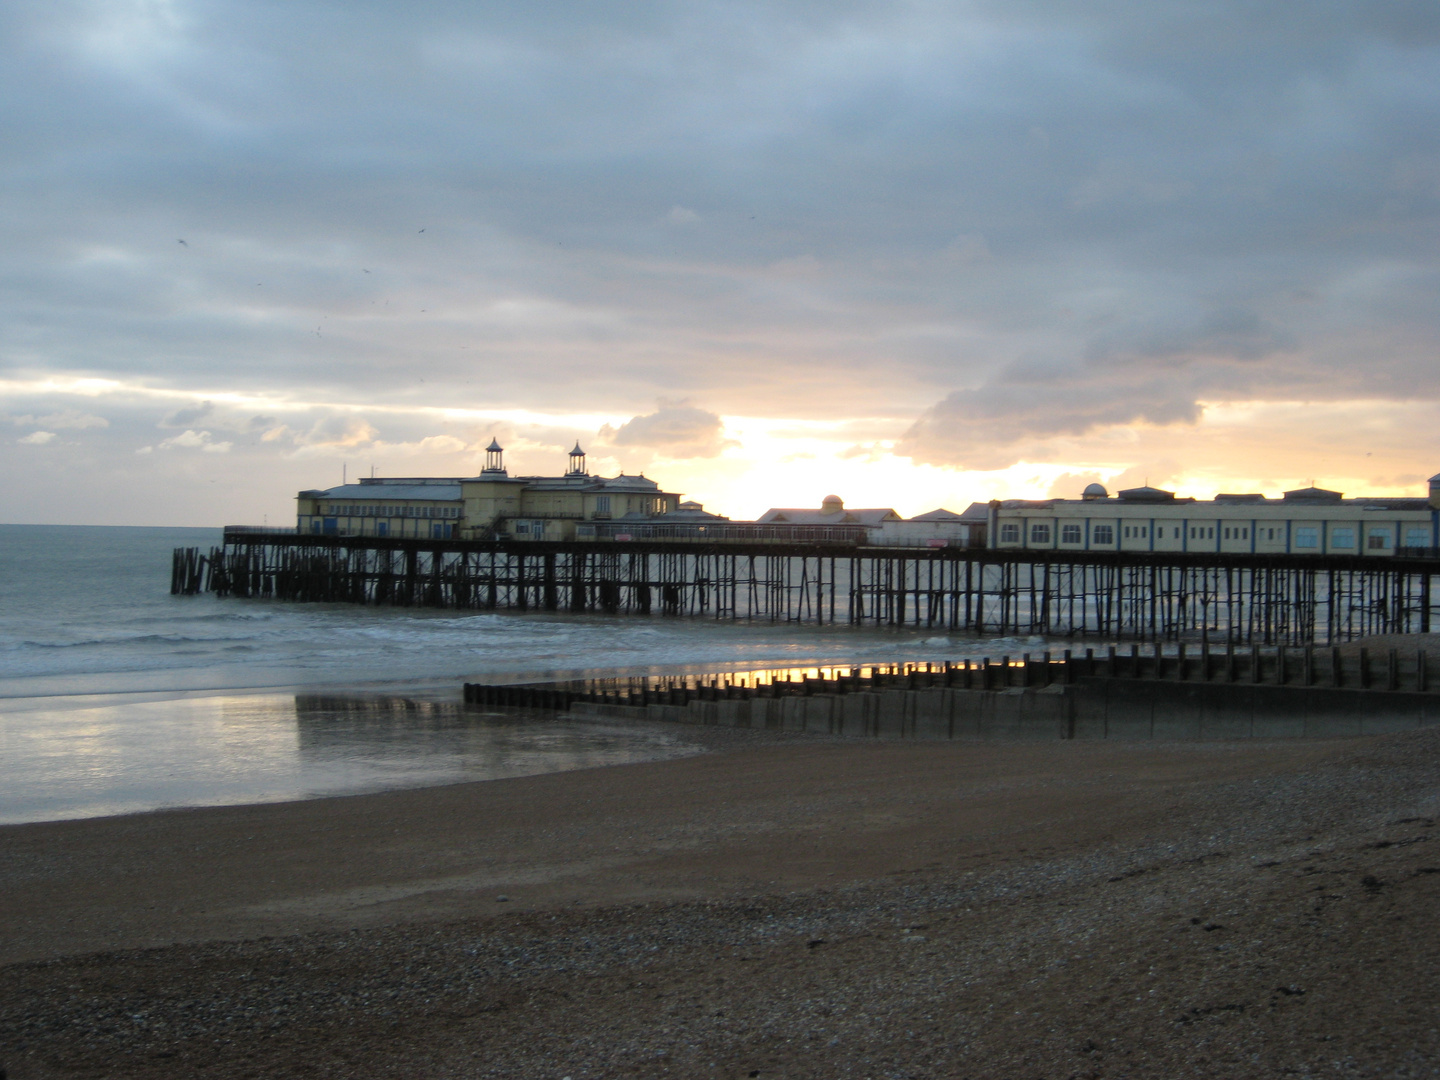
(494, 446)
(1094, 491)
(832, 504)
(1147, 494)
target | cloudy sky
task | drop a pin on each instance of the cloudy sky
(912, 253)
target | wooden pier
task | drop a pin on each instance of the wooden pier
(1242, 599)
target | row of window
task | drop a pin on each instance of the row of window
(656, 506)
(363, 510)
(330, 526)
(1304, 536)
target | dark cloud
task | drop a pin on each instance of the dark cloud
(1019, 418)
(796, 210)
(676, 430)
(190, 414)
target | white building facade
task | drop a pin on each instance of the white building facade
(1308, 521)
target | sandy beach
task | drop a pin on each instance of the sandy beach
(783, 906)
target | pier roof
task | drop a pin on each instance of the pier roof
(433, 490)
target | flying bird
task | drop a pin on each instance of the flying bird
(422, 230)
(182, 242)
(364, 271)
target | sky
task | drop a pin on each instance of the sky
(913, 254)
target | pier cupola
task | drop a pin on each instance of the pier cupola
(577, 461)
(494, 458)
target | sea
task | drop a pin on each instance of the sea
(116, 697)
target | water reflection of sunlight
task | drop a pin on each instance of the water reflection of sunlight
(73, 758)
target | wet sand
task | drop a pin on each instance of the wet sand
(791, 907)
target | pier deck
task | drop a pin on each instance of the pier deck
(1270, 599)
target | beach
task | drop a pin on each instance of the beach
(780, 906)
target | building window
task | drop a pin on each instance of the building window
(522, 528)
(1070, 534)
(1009, 534)
(602, 504)
(1103, 534)
(1342, 538)
(1039, 534)
(1307, 536)
(1417, 538)
(1378, 540)
(1270, 534)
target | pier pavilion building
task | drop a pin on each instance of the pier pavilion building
(1308, 520)
(492, 505)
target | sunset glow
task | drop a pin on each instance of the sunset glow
(915, 257)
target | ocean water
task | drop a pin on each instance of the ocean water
(116, 696)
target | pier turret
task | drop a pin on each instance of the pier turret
(577, 461)
(494, 458)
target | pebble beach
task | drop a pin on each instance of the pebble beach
(780, 906)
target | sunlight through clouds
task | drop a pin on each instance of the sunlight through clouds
(915, 256)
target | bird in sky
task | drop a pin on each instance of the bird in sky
(422, 230)
(182, 242)
(364, 271)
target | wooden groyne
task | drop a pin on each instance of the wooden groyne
(1141, 694)
(1239, 598)
(1387, 670)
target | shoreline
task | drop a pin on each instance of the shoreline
(804, 908)
(785, 768)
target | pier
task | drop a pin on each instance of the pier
(1146, 596)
